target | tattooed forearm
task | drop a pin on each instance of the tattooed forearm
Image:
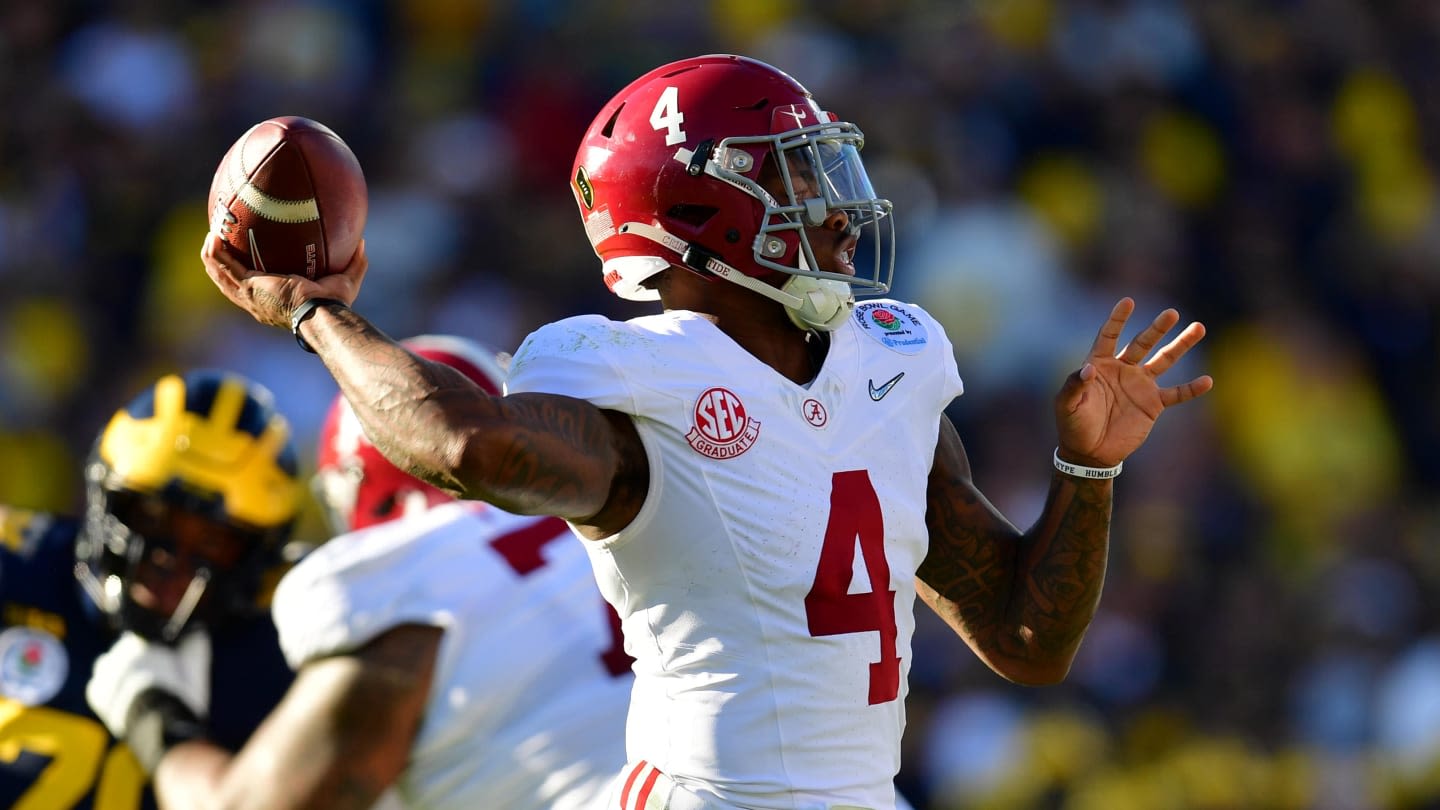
(1063, 564)
(396, 395)
(530, 453)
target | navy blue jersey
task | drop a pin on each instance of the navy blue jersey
(54, 751)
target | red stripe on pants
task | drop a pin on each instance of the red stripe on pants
(646, 788)
(630, 782)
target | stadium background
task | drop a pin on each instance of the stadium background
(1269, 636)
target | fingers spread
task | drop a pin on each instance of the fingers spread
(1186, 391)
(1142, 343)
(1168, 356)
(1109, 336)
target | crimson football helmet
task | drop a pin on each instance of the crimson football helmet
(359, 487)
(670, 173)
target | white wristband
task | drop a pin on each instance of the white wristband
(1086, 472)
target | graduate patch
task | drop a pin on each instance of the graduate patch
(722, 429)
(892, 326)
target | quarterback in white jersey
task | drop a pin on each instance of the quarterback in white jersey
(764, 475)
(766, 588)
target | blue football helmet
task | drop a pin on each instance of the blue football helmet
(192, 490)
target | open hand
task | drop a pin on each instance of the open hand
(270, 298)
(1106, 409)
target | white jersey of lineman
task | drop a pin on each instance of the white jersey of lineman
(766, 587)
(530, 689)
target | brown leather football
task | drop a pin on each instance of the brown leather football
(289, 197)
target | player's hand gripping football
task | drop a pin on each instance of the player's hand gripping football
(1106, 409)
(270, 297)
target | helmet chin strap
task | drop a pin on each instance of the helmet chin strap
(811, 303)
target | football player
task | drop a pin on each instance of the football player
(191, 491)
(764, 472)
(447, 649)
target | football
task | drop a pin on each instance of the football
(289, 197)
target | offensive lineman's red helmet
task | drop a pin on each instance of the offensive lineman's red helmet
(359, 487)
(669, 174)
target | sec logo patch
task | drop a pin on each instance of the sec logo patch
(721, 428)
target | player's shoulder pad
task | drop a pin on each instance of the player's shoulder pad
(903, 333)
(583, 357)
(580, 336)
(900, 327)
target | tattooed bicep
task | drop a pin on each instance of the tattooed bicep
(562, 456)
(971, 543)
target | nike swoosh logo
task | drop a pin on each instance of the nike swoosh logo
(879, 393)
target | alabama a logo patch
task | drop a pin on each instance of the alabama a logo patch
(814, 412)
(721, 429)
(33, 665)
(892, 326)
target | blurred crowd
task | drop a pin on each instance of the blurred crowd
(1269, 636)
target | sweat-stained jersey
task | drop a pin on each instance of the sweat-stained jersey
(54, 751)
(766, 587)
(527, 708)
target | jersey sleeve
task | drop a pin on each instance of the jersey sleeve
(951, 385)
(576, 357)
(356, 587)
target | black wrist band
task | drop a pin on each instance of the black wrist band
(304, 311)
(158, 722)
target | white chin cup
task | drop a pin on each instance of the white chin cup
(824, 303)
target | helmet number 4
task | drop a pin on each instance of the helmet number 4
(830, 608)
(667, 116)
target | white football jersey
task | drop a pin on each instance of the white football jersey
(767, 586)
(528, 704)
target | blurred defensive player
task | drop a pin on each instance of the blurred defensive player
(191, 490)
(458, 653)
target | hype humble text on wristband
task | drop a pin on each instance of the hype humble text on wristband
(1080, 471)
